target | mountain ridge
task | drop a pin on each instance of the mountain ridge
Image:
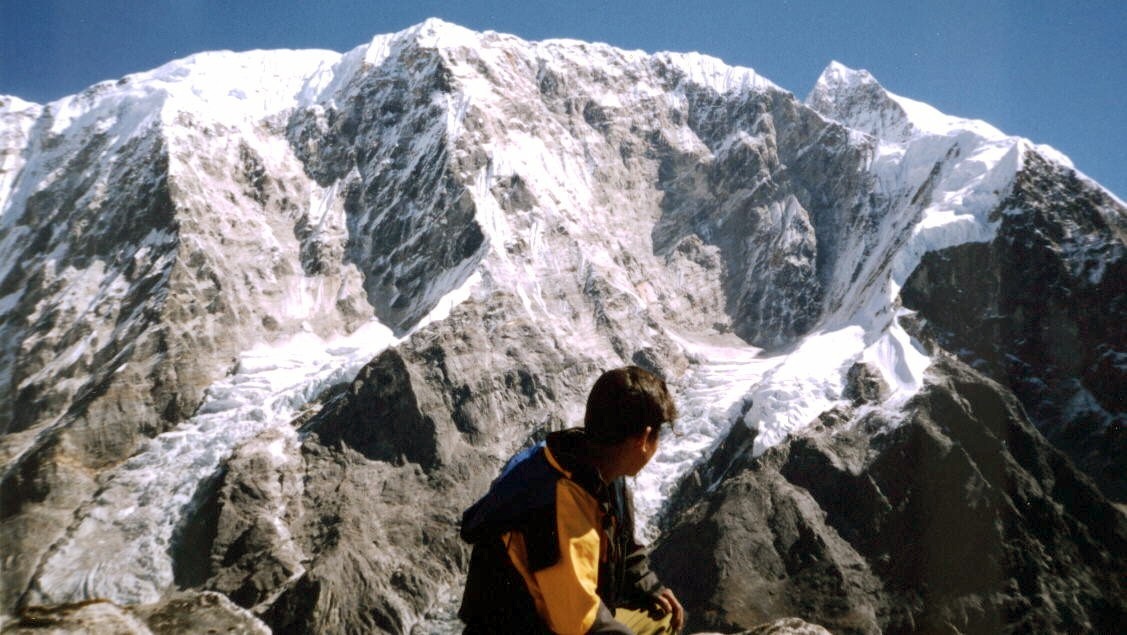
(450, 197)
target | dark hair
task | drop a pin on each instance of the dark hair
(623, 402)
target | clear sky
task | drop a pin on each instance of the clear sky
(1054, 72)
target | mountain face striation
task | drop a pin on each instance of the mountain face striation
(270, 320)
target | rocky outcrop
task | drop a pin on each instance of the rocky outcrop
(374, 563)
(961, 517)
(355, 526)
(1040, 309)
(760, 549)
(787, 626)
(248, 527)
(189, 612)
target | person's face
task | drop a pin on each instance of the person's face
(643, 447)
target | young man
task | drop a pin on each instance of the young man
(553, 539)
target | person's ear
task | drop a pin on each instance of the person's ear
(646, 438)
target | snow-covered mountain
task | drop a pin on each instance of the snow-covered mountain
(292, 309)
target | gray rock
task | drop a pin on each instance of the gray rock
(1039, 309)
(188, 612)
(199, 612)
(375, 562)
(787, 626)
(254, 554)
(95, 616)
(962, 517)
(758, 548)
(863, 384)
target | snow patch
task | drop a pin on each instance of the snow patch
(806, 383)
(900, 360)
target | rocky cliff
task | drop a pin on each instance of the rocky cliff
(271, 320)
(961, 519)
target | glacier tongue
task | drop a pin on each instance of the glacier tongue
(710, 400)
(120, 548)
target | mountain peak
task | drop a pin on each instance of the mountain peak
(715, 73)
(437, 29)
(436, 32)
(837, 75)
(856, 99)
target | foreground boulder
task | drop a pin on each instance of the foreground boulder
(190, 612)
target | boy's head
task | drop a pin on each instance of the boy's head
(624, 402)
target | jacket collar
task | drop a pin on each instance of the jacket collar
(569, 452)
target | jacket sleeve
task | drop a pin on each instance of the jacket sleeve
(569, 587)
(641, 585)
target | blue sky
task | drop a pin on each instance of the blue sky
(1055, 72)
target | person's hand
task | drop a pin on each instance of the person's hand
(668, 603)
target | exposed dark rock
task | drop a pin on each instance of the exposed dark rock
(194, 612)
(187, 612)
(254, 554)
(758, 548)
(963, 517)
(369, 539)
(382, 417)
(787, 626)
(195, 535)
(95, 616)
(1041, 309)
(863, 384)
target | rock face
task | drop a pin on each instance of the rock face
(963, 518)
(372, 510)
(787, 626)
(268, 338)
(1038, 309)
(189, 612)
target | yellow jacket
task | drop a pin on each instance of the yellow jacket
(556, 546)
